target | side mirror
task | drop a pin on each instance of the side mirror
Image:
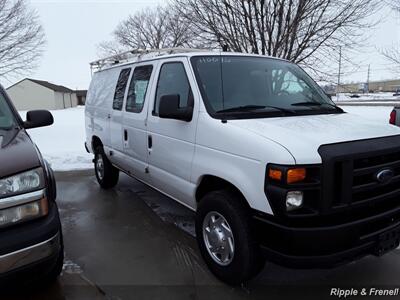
(169, 109)
(38, 118)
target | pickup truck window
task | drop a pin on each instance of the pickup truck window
(120, 89)
(173, 81)
(138, 88)
(256, 85)
(7, 119)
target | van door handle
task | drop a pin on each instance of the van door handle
(109, 116)
(150, 141)
(125, 135)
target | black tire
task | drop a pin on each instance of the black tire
(110, 175)
(247, 260)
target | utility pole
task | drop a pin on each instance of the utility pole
(340, 70)
(369, 71)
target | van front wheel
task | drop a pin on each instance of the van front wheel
(107, 175)
(225, 238)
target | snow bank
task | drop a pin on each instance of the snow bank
(62, 144)
(366, 97)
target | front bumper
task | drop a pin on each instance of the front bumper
(33, 254)
(325, 246)
(25, 246)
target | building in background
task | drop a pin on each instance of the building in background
(30, 94)
(81, 95)
(373, 86)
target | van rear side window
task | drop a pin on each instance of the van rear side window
(120, 89)
(138, 88)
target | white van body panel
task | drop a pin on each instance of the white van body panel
(99, 105)
(303, 135)
(237, 155)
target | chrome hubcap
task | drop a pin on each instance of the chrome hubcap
(218, 238)
(100, 166)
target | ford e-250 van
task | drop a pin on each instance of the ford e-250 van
(272, 167)
(31, 247)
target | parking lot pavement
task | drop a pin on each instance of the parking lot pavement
(130, 242)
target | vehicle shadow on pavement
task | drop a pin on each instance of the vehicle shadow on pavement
(68, 286)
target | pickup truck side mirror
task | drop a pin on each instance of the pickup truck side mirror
(169, 109)
(38, 118)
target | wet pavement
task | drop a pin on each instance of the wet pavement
(131, 242)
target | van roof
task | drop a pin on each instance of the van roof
(136, 56)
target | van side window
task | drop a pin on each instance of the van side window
(138, 88)
(173, 81)
(120, 89)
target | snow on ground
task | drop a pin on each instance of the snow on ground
(62, 144)
(366, 97)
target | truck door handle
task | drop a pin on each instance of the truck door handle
(150, 141)
(109, 116)
(125, 135)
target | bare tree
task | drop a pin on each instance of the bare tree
(110, 48)
(151, 28)
(395, 4)
(392, 54)
(307, 32)
(21, 38)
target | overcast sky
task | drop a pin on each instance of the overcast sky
(75, 27)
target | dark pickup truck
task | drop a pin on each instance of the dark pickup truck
(31, 247)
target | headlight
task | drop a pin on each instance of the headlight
(294, 200)
(25, 212)
(22, 183)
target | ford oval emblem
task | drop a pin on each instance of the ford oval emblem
(384, 176)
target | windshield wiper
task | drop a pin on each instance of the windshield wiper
(309, 103)
(246, 108)
(241, 108)
(312, 103)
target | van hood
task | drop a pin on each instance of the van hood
(303, 135)
(17, 152)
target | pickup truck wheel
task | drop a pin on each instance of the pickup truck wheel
(107, 175)
(225, 239)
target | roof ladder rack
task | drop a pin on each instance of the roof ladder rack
(137, 55)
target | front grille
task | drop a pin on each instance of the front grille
(350, 171)
(355, 180)
(365, 185)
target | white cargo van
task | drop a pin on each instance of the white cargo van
(272, 167)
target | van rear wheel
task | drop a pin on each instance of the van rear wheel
(225, 238)
(107, 175)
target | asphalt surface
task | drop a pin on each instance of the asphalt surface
(131, 242)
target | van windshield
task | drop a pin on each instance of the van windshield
(234, 85)
(7, 120)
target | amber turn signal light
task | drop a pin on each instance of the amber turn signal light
(275, 174)
(296, 175)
